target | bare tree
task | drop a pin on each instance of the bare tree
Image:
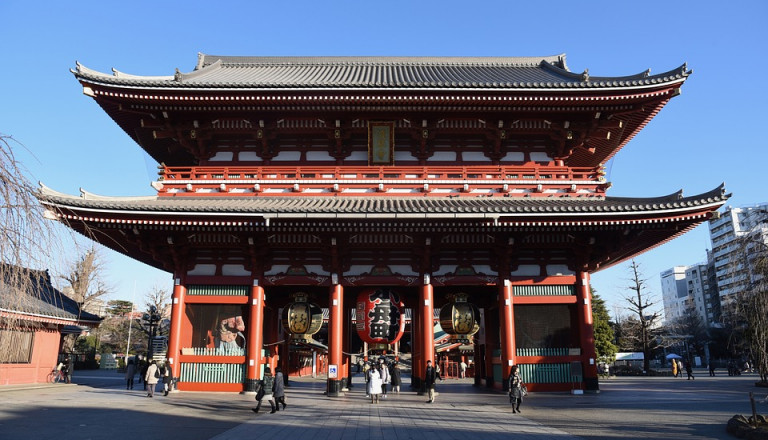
(160, 299)
(86, 285)
(747, 310)
(25, 237)
(642, 305)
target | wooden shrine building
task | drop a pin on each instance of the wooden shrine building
(429, 177)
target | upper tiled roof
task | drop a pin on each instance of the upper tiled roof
(355, 207)
(244, 72)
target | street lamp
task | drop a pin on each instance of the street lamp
(151, 319)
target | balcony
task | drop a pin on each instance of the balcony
(472, 181)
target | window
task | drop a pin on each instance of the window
(16, 346)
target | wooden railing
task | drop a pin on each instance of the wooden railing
(531, 180)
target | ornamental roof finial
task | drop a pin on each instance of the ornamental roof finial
(177, 75)
(585, 75)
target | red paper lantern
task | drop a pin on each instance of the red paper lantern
(380, 316)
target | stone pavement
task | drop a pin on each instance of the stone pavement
(98, 406)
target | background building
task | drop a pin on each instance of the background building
(732, 274)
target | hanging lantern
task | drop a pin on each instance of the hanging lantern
(380, 316)
(460, 319)
(301, 318)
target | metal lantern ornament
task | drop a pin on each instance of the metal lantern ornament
(460, 319)
(301, 318)
(380, 316)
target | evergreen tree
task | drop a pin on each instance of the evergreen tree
(604, 336)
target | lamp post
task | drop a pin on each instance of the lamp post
(151, 319)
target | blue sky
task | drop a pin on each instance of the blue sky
(708, 135)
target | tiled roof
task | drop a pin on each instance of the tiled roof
(398, 73)
(45, 301)
(355, 207)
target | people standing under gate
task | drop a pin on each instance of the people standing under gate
(278, 392)
(396, 379)
(515, 389)
(265, 391)
(385, 377)
(374, 383)
(130, 372)
(151, 378)
(430, 376)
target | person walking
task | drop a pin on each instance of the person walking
(130, 372)
(375, 384)
(674, 368)
(430, 376)
(396, 378)
(463, 369)
(689, 370)
(278, 392)
(167, 379)
(515, 389)
(265, 391)
(151, 378)
(711, 367)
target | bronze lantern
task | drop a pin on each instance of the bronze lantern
(301, 318)
(460, 319)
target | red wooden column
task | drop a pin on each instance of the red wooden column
(507, 318)
(427, 325)
(416, 350)
(335, 338)
(174, 338)
(255, 337)
(586, 332)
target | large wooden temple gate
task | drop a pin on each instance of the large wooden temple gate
(432, 178)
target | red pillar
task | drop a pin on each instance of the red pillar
(427, 312)
(507, 318)
(335, 338)
(255, 337)
(416, 375)
(586, 332)
(174, 338)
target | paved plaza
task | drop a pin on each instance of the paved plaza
(97, 406)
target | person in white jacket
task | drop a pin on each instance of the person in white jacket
(152, 378)
(385, 378)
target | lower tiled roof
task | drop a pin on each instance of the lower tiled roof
(353, 206)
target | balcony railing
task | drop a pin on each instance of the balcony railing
(533, 180)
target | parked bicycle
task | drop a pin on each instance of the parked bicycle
(58, 374)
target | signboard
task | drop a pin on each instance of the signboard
(333, 371)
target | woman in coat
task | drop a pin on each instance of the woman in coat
(130, 372)
(265, 391)
(396, 380)
(515, 389)
(151, 377)
(376, 383)
(278, 392)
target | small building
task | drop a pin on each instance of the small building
(33, 321)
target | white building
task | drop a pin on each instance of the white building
(732, 268)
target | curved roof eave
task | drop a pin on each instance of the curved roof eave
(492, 74)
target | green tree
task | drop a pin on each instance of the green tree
(604, 335)
(119, 307)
